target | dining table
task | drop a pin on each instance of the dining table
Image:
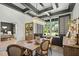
(31, 44)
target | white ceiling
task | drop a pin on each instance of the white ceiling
(46, 5)
(61, 6)
(39, 7)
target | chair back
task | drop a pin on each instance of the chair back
(50, 39)
(45, 45)
(15, 50)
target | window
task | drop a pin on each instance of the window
(54, 27)
(51, 27)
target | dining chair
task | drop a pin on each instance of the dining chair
(43, 49)
(15, 50)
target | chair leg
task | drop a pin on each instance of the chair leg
(30, 52)
(36, 54)
(50, 50)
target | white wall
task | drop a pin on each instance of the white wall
(75, 13)
(18, 18)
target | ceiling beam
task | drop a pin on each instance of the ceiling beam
(49, 13)
(26, 9)
(41, 4)
(31, 7)
(31, 14)
(44, 10)
(42, 16)
(71, 6)
(56, 5)
(60, 12)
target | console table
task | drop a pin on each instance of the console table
(6, 37)
(72, 50)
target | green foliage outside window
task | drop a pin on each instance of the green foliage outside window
(51, 28)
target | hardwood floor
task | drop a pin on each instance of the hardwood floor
(3, 46)
(6, 43)
(56, 51)
(3, 53)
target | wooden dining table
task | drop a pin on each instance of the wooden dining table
(31, 45)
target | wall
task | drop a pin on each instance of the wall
(75, 12)
(12, 16)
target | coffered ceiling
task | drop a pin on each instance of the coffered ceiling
(41, 10)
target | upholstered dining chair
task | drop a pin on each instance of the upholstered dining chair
(43, 49)
(15, 50)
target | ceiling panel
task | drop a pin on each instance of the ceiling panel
(37, 6)
(62, 6)
(54, 6)
(32, 13)
(47, 4)
(42, 14)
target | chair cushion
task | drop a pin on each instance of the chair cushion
(14, 52)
